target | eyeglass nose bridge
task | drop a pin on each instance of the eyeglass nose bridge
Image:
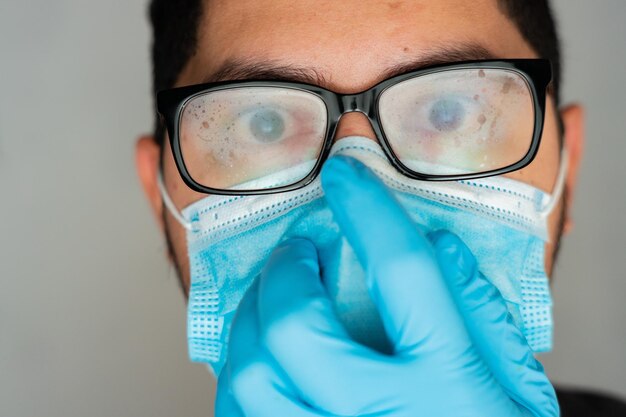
(361, 102)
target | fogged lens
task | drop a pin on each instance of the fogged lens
(252, 137)
(462, 121)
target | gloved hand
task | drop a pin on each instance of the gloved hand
(456, 349)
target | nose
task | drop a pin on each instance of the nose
(354, 124)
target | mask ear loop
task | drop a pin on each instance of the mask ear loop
(559, 185)
(170, 204)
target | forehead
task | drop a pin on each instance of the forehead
(351, 43)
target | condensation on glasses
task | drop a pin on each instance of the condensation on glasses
(237, 137)
(461, 121)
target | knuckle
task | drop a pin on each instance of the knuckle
(444, 238)
(483, 289)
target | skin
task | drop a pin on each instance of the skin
(351, 43)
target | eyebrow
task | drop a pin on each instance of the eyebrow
(236, 69)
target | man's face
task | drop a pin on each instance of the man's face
(351, 44)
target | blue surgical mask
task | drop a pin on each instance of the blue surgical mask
(229, 239)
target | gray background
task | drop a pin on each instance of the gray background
(91, 318)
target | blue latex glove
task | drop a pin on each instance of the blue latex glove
(456, 349)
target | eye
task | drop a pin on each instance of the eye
(447, 114)
(266, 125)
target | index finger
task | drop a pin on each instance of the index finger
(402, 273)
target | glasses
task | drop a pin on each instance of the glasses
(447, 122)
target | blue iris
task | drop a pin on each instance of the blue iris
(267, 126)
(447, 114)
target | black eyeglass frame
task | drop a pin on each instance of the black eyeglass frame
(536, 72)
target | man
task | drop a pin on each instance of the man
(421, 294)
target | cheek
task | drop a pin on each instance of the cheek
(542, 172)
(181, 195)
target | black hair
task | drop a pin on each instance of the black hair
(175, 27)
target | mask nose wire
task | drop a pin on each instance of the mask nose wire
(169, 204)
(559, 185)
